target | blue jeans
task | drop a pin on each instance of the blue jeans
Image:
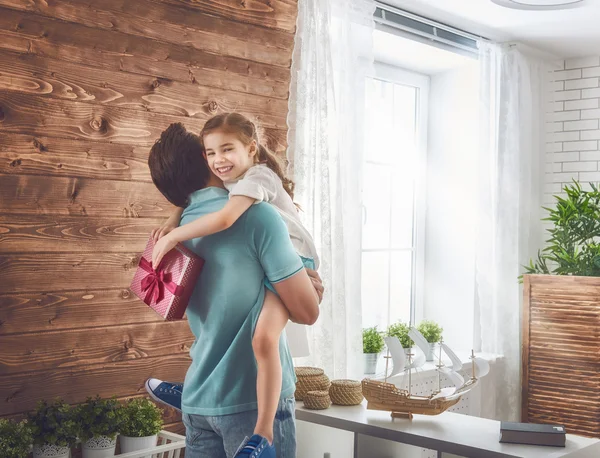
(220, 436)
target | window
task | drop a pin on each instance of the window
(393, 197)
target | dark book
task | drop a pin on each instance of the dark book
(532, 434)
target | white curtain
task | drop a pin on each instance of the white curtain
(515, 94)
(332, 55)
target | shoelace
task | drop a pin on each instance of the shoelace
(175, 389)
(250, 446)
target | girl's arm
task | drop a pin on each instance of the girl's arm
(171, 223)
(203, 226)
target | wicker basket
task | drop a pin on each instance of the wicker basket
(317, 400)
(346, 392)
(310, 379)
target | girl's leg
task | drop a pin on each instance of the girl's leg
(271, 322)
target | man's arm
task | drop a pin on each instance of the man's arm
(300, 297)
(282, 265)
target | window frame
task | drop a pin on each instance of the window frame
(397, 75)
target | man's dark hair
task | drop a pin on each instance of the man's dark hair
(177, 164)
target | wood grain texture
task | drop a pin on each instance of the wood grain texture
(86, 87)
(64, 349)
(20, 393)
(49, 156)
(129, 63)
(170, 23)
(53, 311)
(37, 195)
(43, 272)
(64, 33)
(32, 74)
(280, 14)
(21, 233)
(561, 352)
(39, 116)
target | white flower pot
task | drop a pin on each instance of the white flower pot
(133, 444)
(370, 362)
(51, 451)
(431, 352)
(99, 447)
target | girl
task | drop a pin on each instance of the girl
(251, 174)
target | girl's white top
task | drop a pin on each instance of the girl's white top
(262, 184)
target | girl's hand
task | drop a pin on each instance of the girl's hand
(161, 248)
(317, 283)
(163, 230)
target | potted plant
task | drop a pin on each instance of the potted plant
(400, 330)
(142, 421)
(15, 439)
(561, 317)
(432, 333)
(372, 346)
(53, 428)
(99, 421)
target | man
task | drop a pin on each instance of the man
(219, 394)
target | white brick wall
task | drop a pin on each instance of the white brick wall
(573, 150)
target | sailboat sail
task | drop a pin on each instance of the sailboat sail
(397, 353)
(444, 393)
(456, 379)
(482, 367)
(419, 340)
(456, 363)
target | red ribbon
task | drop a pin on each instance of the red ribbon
(155, 282)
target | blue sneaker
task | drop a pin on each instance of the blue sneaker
(256, 446)
(165, 392)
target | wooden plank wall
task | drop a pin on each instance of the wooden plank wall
(85, 88)
(561, 352)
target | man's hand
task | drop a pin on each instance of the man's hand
(317, 283)
(161, 248)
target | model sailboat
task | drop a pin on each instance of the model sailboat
(382, 395)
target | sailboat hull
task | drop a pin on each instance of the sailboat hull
(387, 397)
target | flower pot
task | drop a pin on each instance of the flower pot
(430, 354)
(99, 447)
(133, 444)
(370, 362)
(51, 451)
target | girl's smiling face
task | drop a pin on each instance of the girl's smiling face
(227, 156)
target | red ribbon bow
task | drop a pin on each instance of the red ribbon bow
(155, 282)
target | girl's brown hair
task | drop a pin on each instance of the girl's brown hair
(245, 130)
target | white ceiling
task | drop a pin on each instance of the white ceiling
(566, 33)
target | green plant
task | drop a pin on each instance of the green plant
(53, 424)
(573, 247)
(372, 340)
(99, 417)
(15, 439)
(400, 330)
(141, 418)
(430, 330)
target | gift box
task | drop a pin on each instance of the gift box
(167, 290)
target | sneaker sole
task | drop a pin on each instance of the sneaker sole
(157, 399)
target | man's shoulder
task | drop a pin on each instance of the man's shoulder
(264, 216)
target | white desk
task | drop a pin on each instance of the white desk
(458, 434)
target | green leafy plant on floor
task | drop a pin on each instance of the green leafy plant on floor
(141, 418)
(15, 439)
(372, 340)
(430, 330)
(53, 424)
(400, 330)
(99, 417)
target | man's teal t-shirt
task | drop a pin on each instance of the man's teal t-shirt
(224, 308)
